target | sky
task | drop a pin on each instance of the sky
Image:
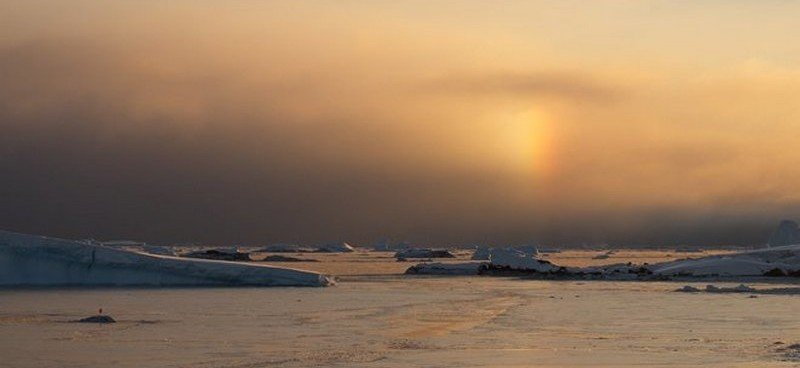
(435, 122)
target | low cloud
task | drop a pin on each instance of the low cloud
(553, 84)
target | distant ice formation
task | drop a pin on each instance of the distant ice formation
(27, 260)
(386, 246)
(336, 247)
(423, 253)
(333, 247)
(742, 288)
(787, 233)
(279, 258)
(605, 255)
(549, 250)
(220, 254)
(517, 259)
(155, 249)
(466, 268)
(775, 261)
(123, 243)
(284, 248)
(482, 253)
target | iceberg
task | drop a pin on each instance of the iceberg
(336, 247)
(481, 253)
(502, 261)
(423, 253)
(385, 246)
(30, 260)
(516, 259)
(530, 250)
(775, 261)
(787, 233)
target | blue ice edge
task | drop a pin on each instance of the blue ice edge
(31, 260)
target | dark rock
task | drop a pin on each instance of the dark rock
(795, 273)
(775, 272)
(424, 253)
(220, 255)
(100, 318)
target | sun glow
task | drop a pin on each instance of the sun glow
(527, 140)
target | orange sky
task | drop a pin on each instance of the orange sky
(433, 121)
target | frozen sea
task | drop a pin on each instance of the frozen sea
(390, 320)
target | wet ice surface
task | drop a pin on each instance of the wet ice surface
(400, 321)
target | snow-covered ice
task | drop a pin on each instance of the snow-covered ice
(516, 259)
(775, 261)
(482, 253)
(39, 260)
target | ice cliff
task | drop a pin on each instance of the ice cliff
(39, 260)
